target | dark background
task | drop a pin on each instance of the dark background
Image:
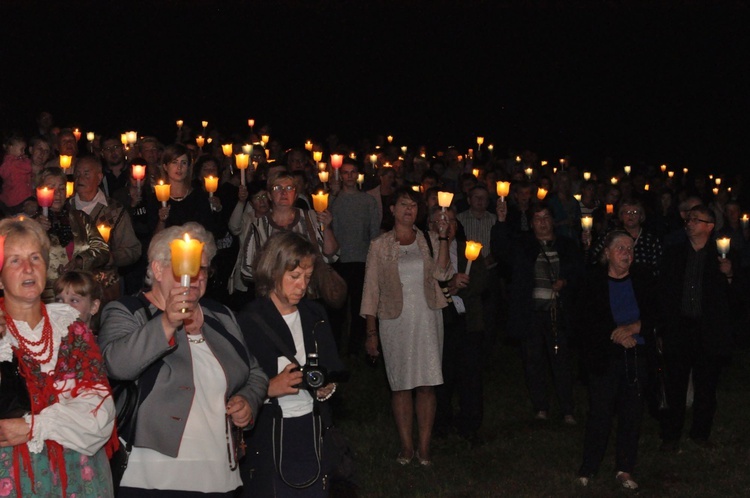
(636, 81)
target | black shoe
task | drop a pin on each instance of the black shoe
(670, 447)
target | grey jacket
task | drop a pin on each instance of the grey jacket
(135, 348)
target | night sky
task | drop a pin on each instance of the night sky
(622, 79)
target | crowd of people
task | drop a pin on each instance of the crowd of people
(639, 272)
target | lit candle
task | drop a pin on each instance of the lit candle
(445, 199)
(186, 258)
(626, 169)
(104, 230)
(44, 197)
(610, 208)
(613, 180)
(212, 183)
(416, 188)
(374, 158)
(684, 171)
(587, 223)
(162, 192)
(715, 190)
(490, 148)
(722, 245)
(403, 149)
(320, 204)
(179, 124)
(710, 177)
(577, 197)
(200, 141)
(529, 172)
(132, 137)
(322, 166)
(227, 149)
(308, 146)
(543, 163)
(718, 180)
(519, 159)
(475, 172)
(390, 139)
(264, 139)
(587, 175)
(646, 187)
(65, 161)
(541, 193)
(139, 173)
(205, 125)
(242, 161)
(352, 155)
(745, 221)
(90, 136)
(336, 161)
(471, 253)
(670, 174)
(360, 180)
(503, 190)
(69, 189)
(247, 149)
(663, 168)
(554, 170)
(124, 138)
(251, 123)
(323, 176)
(317, 156)
(77, 134)
(480, 141)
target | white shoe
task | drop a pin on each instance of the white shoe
(582, 482)
(625, 481)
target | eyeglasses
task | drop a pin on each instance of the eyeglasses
(696, 220)
(280, 188)
(631, 212)
(260, 197)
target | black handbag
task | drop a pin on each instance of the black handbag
(14, 395)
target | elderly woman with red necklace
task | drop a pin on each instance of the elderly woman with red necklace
(57, 442)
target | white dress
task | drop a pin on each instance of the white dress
(413, 343)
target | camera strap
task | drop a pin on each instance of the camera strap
(274, 338)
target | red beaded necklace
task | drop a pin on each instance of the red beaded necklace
(45, 354)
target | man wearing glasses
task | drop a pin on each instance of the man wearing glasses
(698, 288)
(115, 172)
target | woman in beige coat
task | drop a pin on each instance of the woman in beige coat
(402, 291)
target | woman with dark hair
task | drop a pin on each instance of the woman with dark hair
(616, 314)
(402, 292)
(284, 456)
(185, 202)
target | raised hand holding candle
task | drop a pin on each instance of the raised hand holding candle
(162, 192)
(320, 204)
(323, 176)
(69, 189)
(336, 162)
(212, 183)
(445, 199)
(104, 231)
(722, 245)
(139, 173)
(503, 190)
(44, 197)
(242, 161)
(65, 161)
(186, 259)
(471, 253)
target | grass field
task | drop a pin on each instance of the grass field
(520, 457)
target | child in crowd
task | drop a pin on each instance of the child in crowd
(15, 172)
(81, 291)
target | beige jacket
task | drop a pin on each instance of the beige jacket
(383, 295)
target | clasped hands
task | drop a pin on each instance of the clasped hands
(623, 335)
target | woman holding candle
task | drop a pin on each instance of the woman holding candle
(60, 443)
(185, 202)
(75, 243)
(278, 461)
(197, 381)
(402, 291)
(616, 323)
(244, 215)
(285, 217)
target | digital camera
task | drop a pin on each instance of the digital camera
(313, 375)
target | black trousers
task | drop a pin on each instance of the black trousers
(354, 275)
(679, 360)
(544, 350)
(462, 374)
(617, 391)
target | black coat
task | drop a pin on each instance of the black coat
(593, 315)
(520, 254)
